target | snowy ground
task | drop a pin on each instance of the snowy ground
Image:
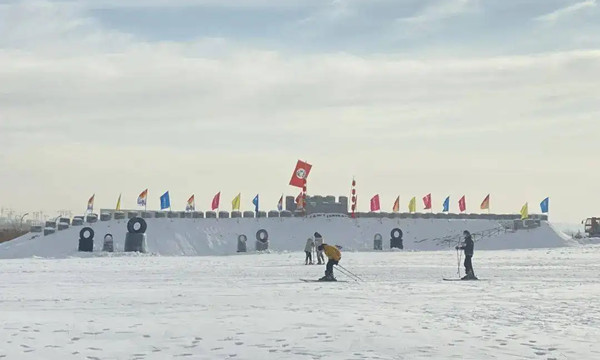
(536, 304)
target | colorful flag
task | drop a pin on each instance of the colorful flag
(299, 203)
(300, 174)
(462, 204)
(118, 207)
(235, 203)
(396, 207)
(485, 204)
(375, 203)
(280, 204)
(215, 201)
(165, 201)
(544, 205)
(141, 200)
(524, 212)
(427, 201)
(446, 204)
(255, 202)
(191, 204)
(412, 205)
(90, 205)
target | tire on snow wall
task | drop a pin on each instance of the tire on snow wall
(135, 239)
(262, 240)
(86, 240)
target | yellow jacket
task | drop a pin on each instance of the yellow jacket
(332, 252)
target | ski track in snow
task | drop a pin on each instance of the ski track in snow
(534, 304)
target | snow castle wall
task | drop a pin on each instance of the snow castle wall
(214, 236)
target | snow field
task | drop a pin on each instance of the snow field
(532, 304)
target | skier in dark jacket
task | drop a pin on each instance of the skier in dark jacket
(468, 246)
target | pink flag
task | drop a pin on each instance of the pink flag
(215, 202)
(462, 204)
(427, 201)
(375, 203)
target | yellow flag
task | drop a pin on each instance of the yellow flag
(235, 204)
(119, 203)
(412, 205)
(524, 212)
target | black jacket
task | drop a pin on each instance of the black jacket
(468, 246)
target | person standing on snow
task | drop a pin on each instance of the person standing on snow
(319, 242)
(308, 249)
(334, 255)
(468, 246)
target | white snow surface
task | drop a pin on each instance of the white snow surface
(530, 304)
(219, 236)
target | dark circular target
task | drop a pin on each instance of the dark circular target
(262, 235)
(396, 234)
(86, 233)
(137, 225)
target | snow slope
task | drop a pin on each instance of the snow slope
(534, 304)
(219, 236)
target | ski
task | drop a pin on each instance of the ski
(321, 281)
(460, 279)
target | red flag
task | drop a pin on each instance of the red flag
(300, 174)
(462, 204)
(485, 204)
(427, 201)
(396, 207)
(215, 202)
(375, 203)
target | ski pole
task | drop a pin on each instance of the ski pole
(348, 275)
(353, 274)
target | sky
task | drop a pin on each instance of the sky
(409, 97)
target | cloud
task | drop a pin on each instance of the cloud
(441, 10)
(86, 108)
(567, 11)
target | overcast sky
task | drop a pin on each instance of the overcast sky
(450, 97)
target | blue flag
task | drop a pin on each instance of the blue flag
(544, 205)
(446, 204)
(255, 202)
(165, 201)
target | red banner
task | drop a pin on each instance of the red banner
(300, 174)
(215, 202)
(299, 200)
(485, 204)
(462, 204)
(427, 201)
(375, 203)
(396, 207)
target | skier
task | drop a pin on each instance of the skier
(468, 247)
(334, 255)
(308, 249)
(319, 242)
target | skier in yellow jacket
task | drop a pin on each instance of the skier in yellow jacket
(334, 255)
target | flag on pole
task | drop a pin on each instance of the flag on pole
(427, 201)
(141, 200)
(118, 207)
(165, 201)
(300, 174)
(215, 201)
(90, 204)
(255, 202)
(375, 203)
(396, 207)
(280, 204)
(544, 205)
(524, 212)
(462, 204)
(299, 204)
(485, 204)
(191, 204)
(446, 205)
(412, 205)
(235, 203)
